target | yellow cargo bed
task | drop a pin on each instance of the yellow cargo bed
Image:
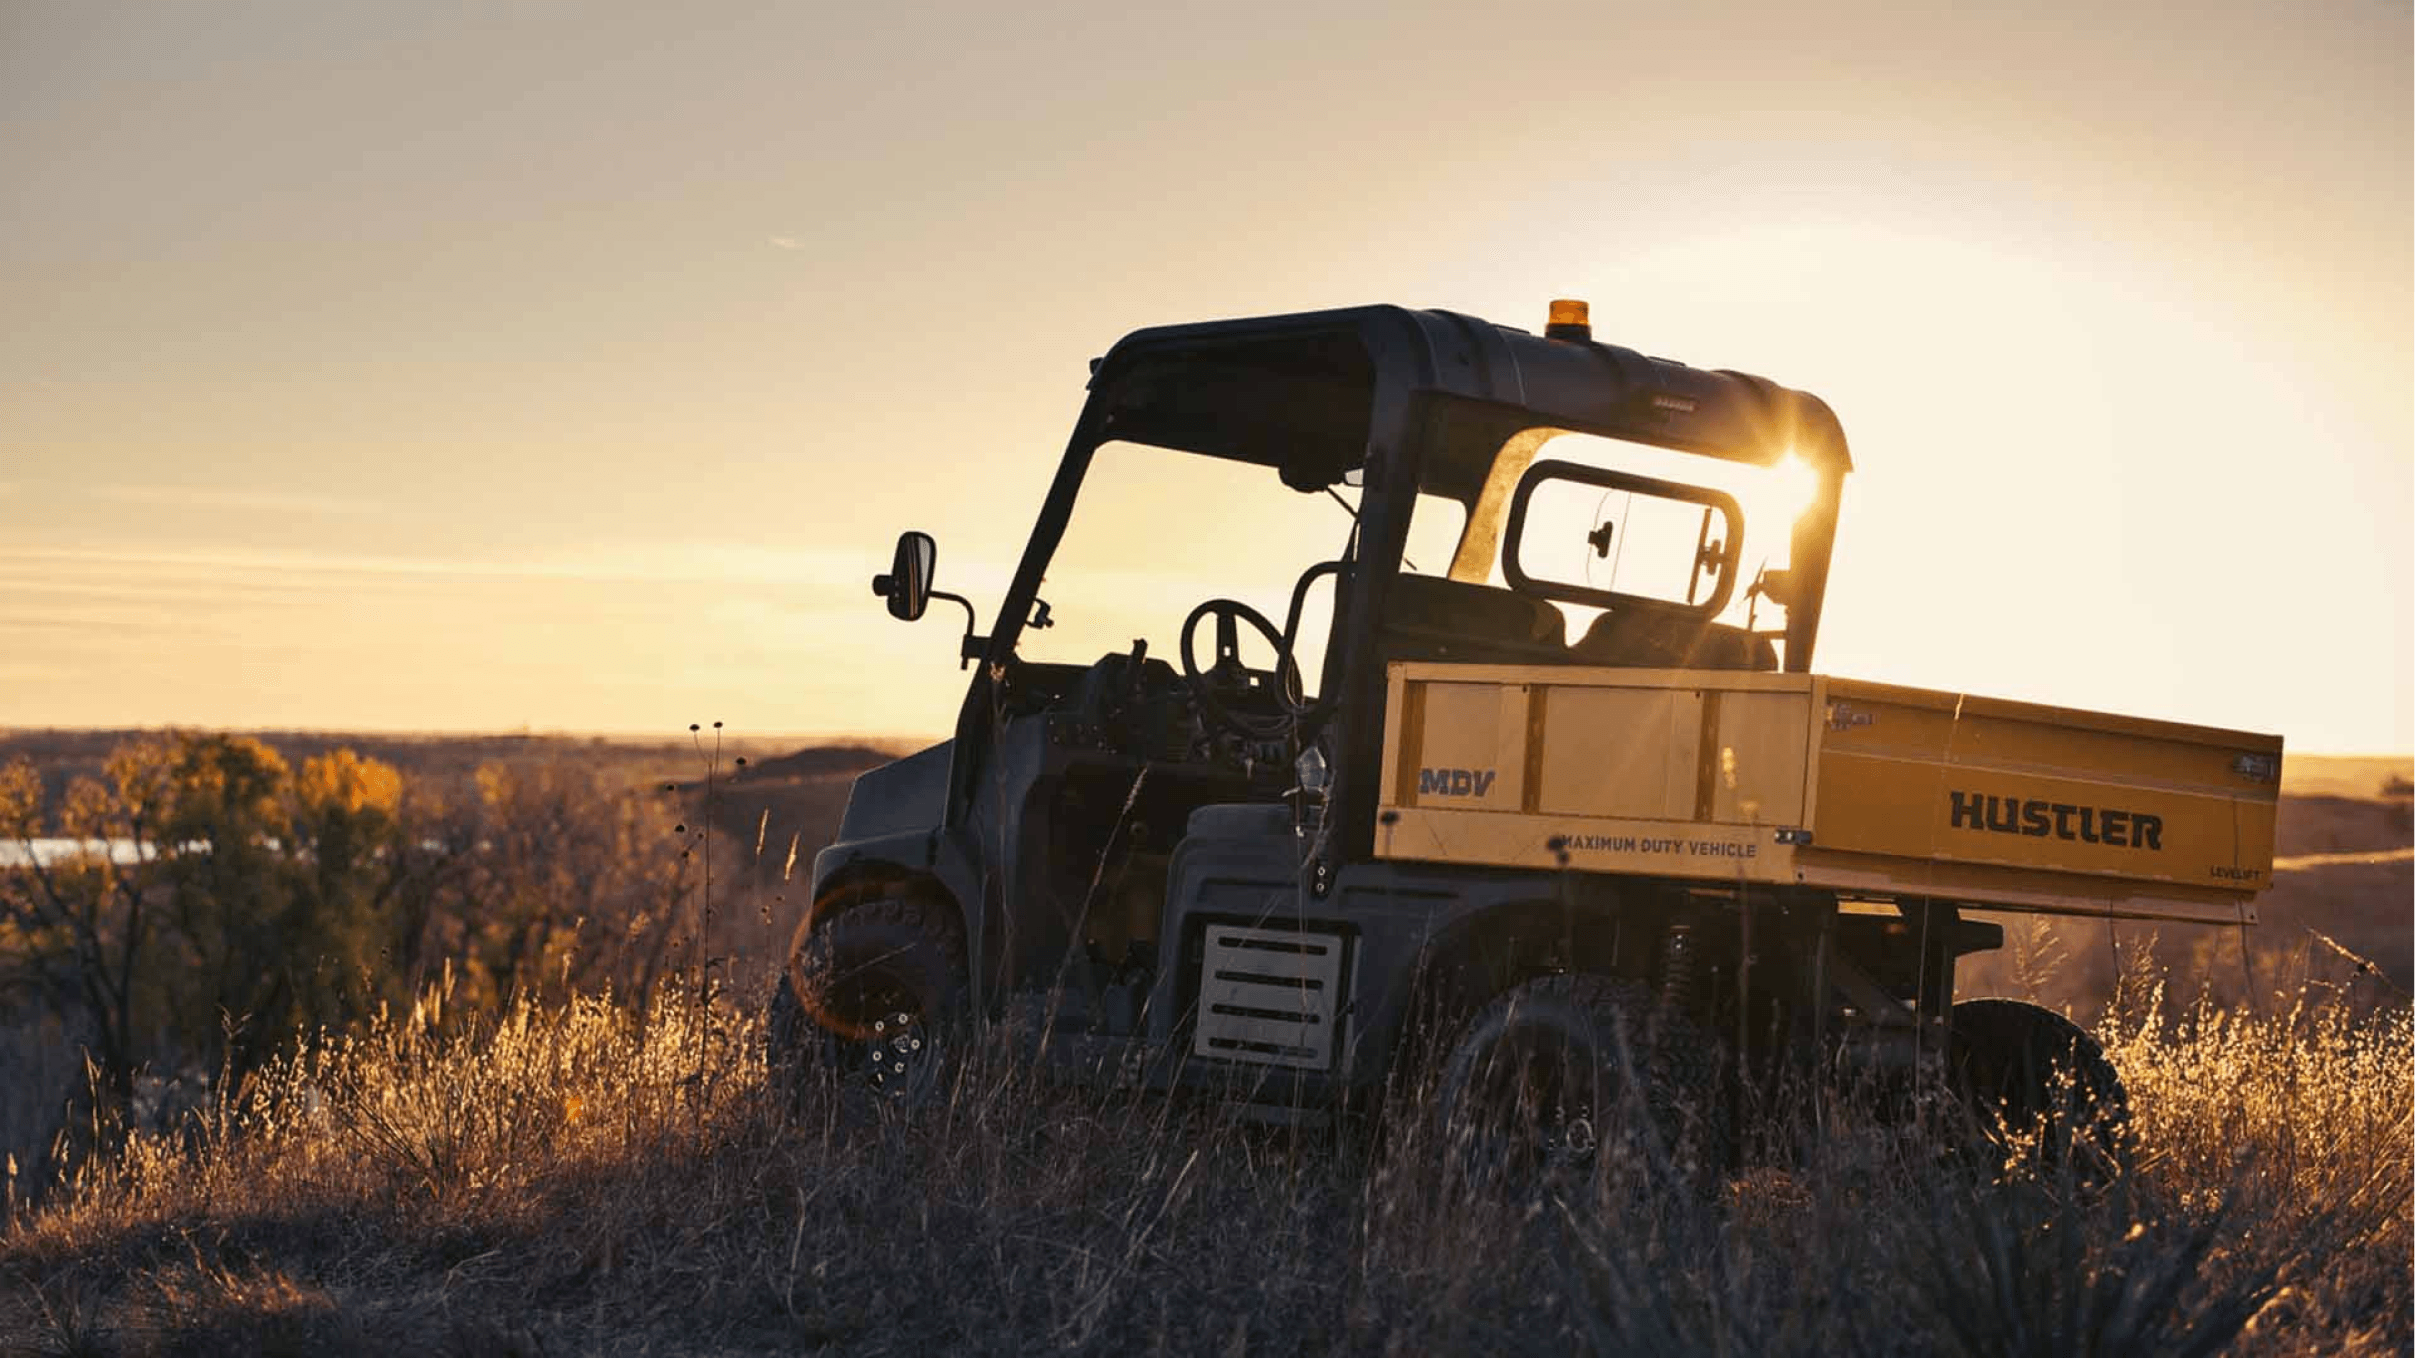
(1866, 789)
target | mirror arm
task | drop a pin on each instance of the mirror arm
(968, 650)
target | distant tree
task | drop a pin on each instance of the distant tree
(575, 883)
(74, 931)
(210, 890)
(234, 940)
(217, 900)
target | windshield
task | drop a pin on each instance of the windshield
(1155, 533)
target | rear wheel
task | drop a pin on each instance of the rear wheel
(2023, 1071)
(1563, 1070)
(876, 993)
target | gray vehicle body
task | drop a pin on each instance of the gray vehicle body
(1049, 791)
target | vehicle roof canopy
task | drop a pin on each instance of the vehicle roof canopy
(1296, 392)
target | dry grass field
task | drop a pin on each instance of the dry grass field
(570, 1176)
(568, 1180)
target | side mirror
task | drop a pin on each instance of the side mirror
(907, 586)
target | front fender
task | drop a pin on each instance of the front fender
(925, 856)
(908, 794)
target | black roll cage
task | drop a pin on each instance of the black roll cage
(1429, 401)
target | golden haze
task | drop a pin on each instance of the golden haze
(573, 367)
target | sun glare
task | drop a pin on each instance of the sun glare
(1785, 490)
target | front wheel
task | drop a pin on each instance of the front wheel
(875, 993)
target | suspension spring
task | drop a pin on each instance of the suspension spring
(1680, 970)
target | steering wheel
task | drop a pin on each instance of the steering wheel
(1229, 673)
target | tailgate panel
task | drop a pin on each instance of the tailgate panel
(1910, 773)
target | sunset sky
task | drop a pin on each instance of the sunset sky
(572, 366)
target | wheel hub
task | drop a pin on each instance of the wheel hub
(898, 1049)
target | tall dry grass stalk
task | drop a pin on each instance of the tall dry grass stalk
(2300, 1123)
(573, 1178)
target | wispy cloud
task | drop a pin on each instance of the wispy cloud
(699, 563)
(239, 499)
(790, 243)
(731, 563)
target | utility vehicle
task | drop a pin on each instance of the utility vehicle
(1386, 688)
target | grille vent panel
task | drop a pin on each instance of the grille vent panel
(1268, 996)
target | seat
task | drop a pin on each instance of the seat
(1641, 639)
(1430, 618)
(1240, 820)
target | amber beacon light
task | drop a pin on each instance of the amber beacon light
(1570, 320)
